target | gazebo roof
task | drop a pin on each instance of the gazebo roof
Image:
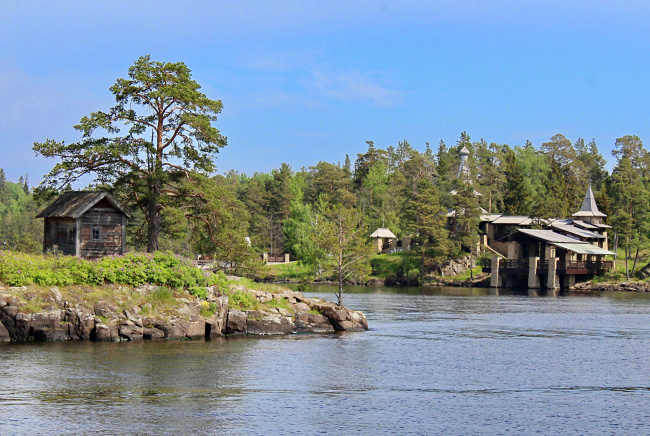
(383, 233)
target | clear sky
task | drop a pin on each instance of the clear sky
(304, 81)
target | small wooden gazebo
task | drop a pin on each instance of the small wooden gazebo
(88, 224)
(384, 239)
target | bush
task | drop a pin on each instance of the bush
(198, 292)
(243, 300)
(134, 269)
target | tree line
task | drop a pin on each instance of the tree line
(155, 151)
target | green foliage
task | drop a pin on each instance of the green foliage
(394, 266)
(164, 269)
(19, 228)
(161, 296)
(198, 292)
(156, 95)
(243, 300)
(342, 236)
(281, 303)
(208, 309)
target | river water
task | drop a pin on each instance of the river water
(436, 361)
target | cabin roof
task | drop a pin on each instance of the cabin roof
(73, 204)
(382, 233)
(582, 248)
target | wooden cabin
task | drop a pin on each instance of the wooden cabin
(86, 224)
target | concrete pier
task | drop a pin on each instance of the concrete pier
(533, 278)
(495, 278)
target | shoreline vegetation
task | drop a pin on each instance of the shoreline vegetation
(149, 296)
(166, 296)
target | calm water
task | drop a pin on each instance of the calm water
(452, 361)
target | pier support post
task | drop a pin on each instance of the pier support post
(533, 278)
(553, 281)
(571, 280)
(495, 277)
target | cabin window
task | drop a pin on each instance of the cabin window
(96, 234)
(72, 233)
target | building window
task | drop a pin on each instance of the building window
(72, 232)
(96, 234)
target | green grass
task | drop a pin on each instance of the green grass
(282, 303)
(392, 266)
(250, 284)
(290, 271)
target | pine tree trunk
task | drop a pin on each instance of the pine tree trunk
(153, 214)
(636, 257)
(153, 218)
(627, 256)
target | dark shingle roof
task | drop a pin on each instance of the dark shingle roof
(75, 203)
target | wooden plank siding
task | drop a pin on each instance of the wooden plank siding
(60, 232)
(110, 223)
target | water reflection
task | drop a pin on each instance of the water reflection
(436, 360)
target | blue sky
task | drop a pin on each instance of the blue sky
(308, 81)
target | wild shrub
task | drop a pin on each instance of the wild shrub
(198, 292)
(243, 300)
(134, 269)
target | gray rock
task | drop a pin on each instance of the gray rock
(106, 333)
(266, 323)
(4, 334)
(236, 322)
(105, 309)
(131, 332)
(312, 323)
(152, 333)
(300, 307)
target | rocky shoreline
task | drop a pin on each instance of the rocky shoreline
(105, 321)
(611, 287)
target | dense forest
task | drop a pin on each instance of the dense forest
(401, 188)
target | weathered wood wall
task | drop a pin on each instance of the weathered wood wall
(60, 232)
(109, 220)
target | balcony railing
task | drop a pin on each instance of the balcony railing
(591, 265)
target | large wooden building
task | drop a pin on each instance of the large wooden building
(86, 224)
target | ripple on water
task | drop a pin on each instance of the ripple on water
(463, 362)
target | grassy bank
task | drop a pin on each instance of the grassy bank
(119, 280)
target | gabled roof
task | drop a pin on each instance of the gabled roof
(73, 204)
(382, 233)
(589, 207)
